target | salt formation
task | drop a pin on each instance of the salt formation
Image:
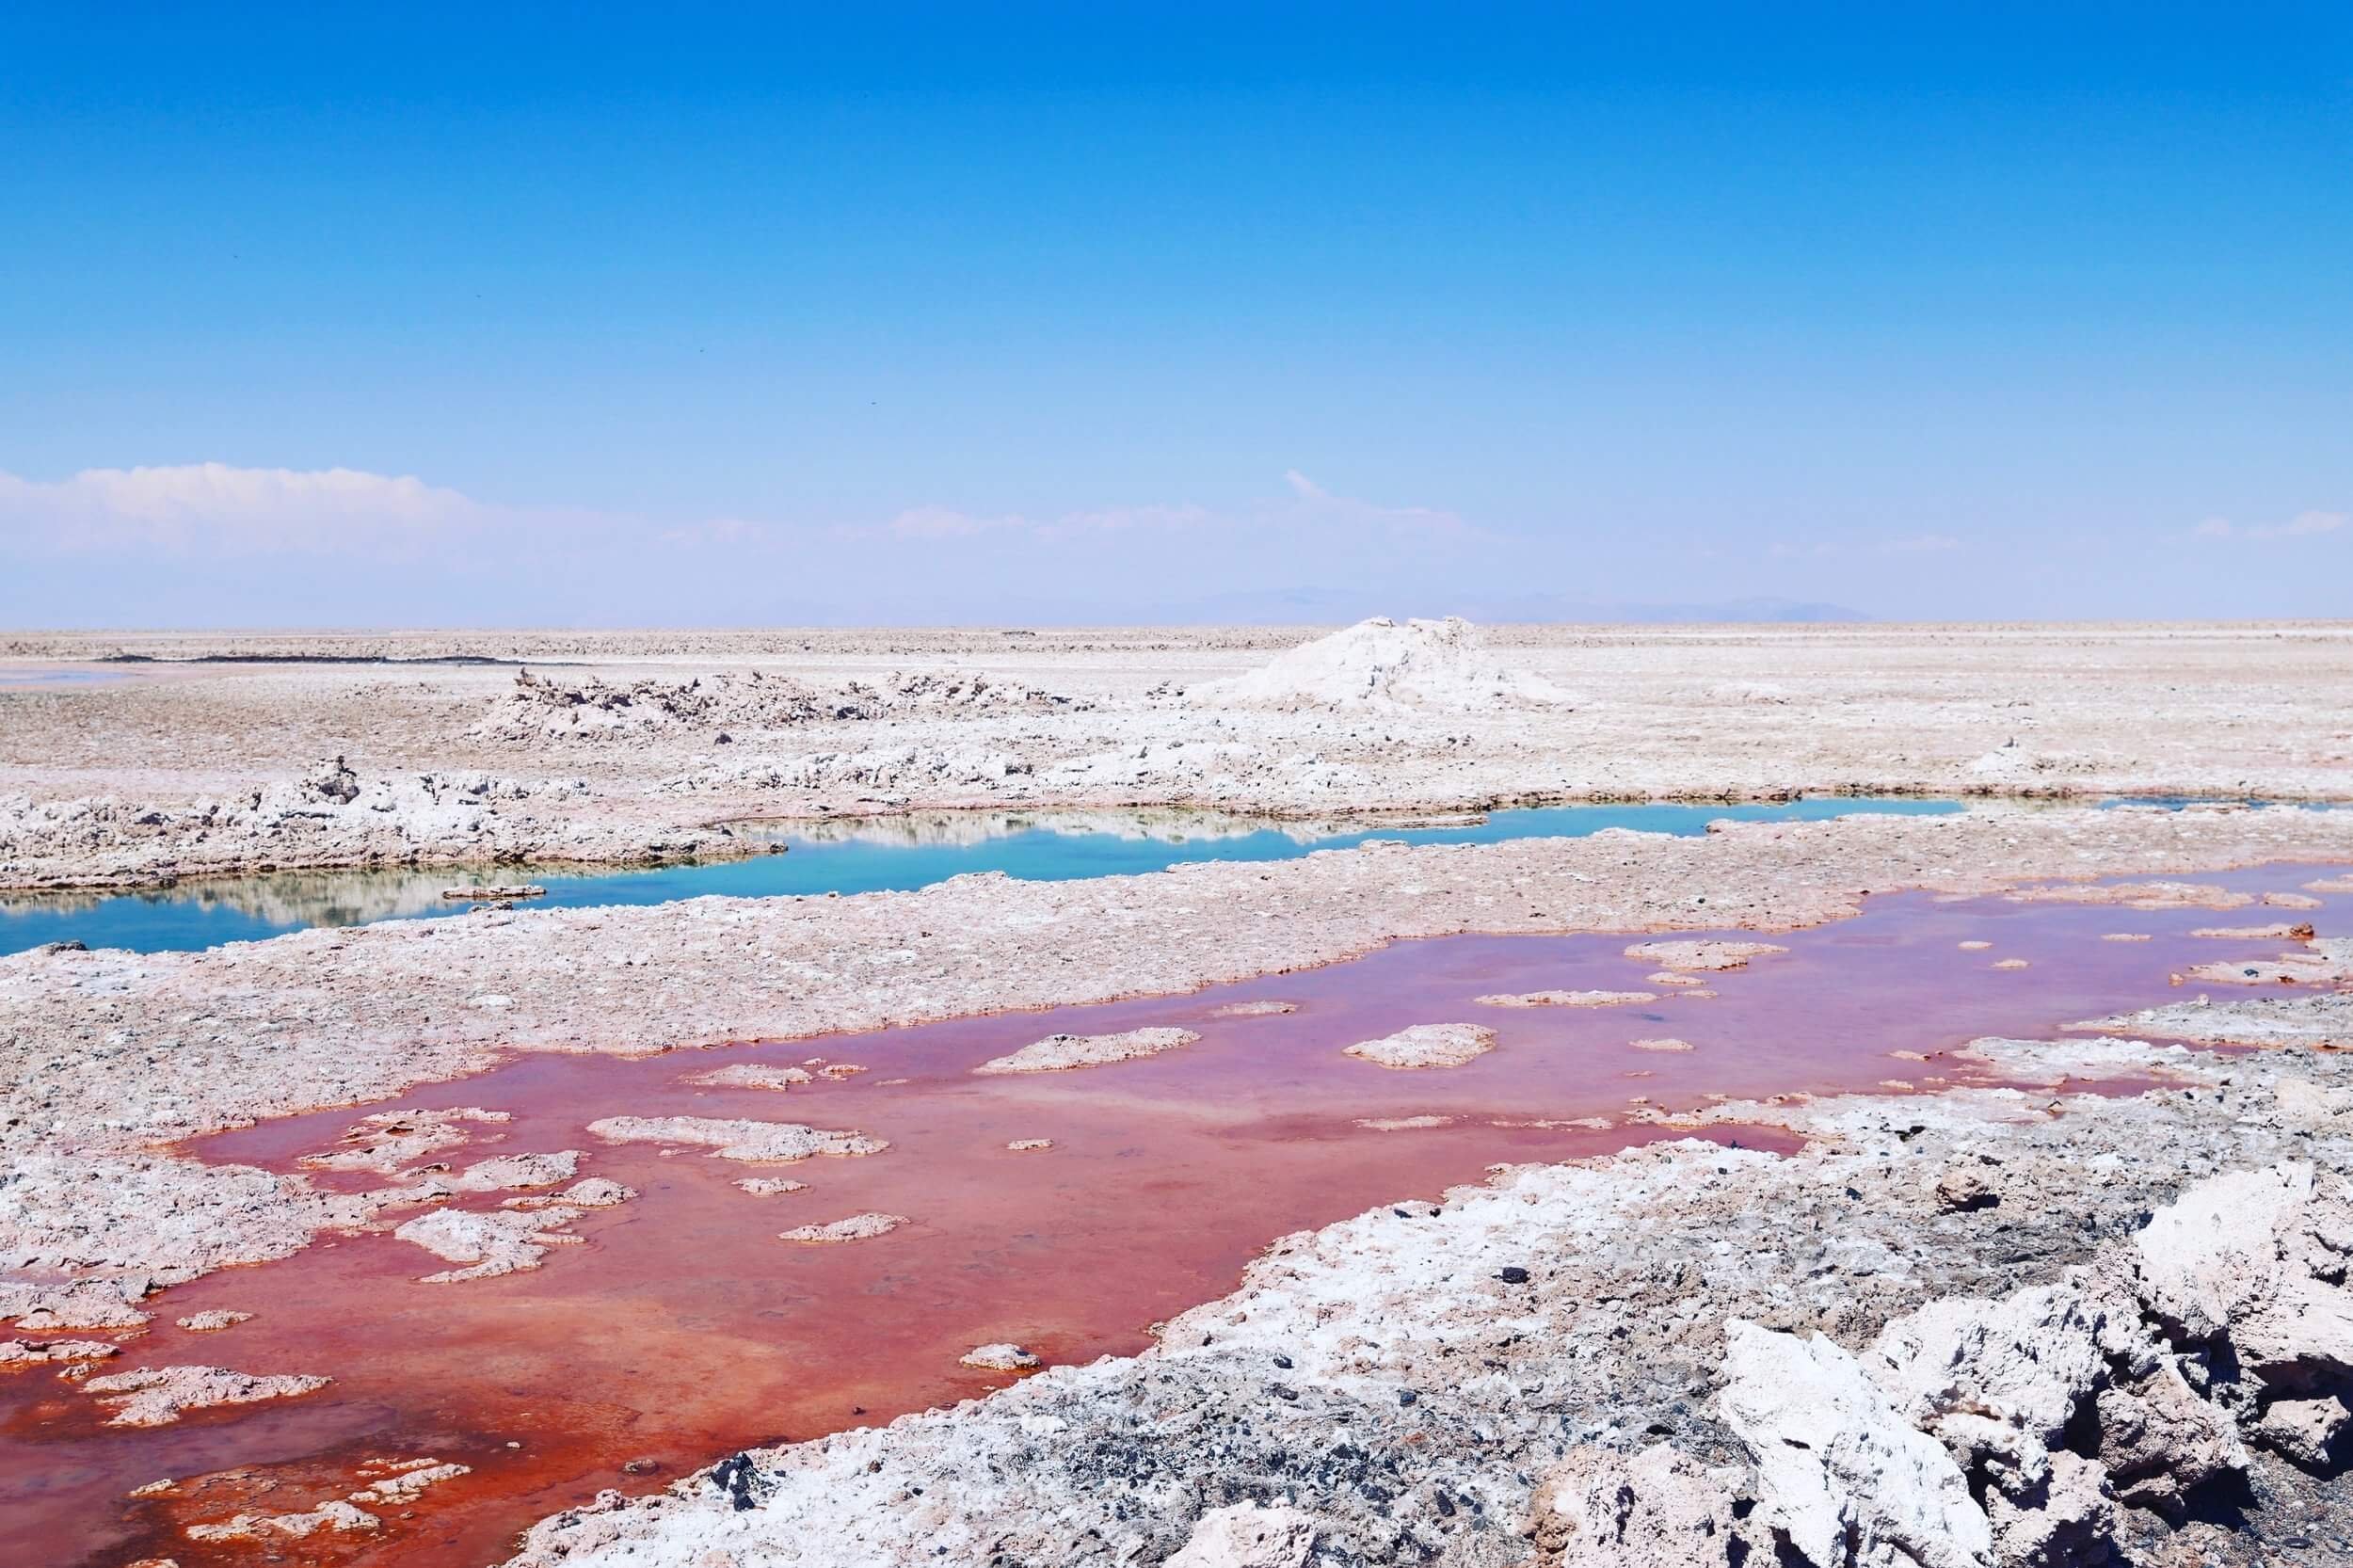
(857, 1227)
(158, 1396)
(736, 1138)
(213, 1321)
(35, 1353)
(1000, 1358)
(1680, 956)
(1568, 998)
(1060, 1052)
(749, 1075)
(1377, 662)
(489, 1244)
(1427, 1046)
(2007, 1430)
(592, 709)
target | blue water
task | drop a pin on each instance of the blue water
(868, 856)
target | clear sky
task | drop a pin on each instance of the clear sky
(413, 314)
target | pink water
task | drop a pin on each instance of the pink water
(683, 1329)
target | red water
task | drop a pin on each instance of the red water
(683, 1329)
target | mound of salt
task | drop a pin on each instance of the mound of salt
(1422, 664)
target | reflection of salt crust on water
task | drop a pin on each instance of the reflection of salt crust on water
(963, 830)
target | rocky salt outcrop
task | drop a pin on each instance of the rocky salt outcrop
(333, 1518)
(43, 1352)
(1841, 1476)
(388, 1141)
(158, 1396)
(737, 1138)
(1427, 1046)
(769, 1187)
(488, 1244)
(1679, 956)
(1001, 1357)
(1254, 1009)
(1568, 998)
(1439, 665)
(751, 1075)
(1248, 1535)
(2258, 1257)
(590, 1192)
(1060, 1052)
(213, 1319)
(857, 1227)
(1656, 1509)
(2164, 894)
(735, 704)
(326, 814)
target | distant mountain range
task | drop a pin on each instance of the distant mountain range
(1332, 606)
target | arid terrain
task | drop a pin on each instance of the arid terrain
(2075, 1296)
(629, 747)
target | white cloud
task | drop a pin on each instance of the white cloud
(1920, 544)
(217, 508)
(2304, 526)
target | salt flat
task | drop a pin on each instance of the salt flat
(1550, 1323)
(628, 747)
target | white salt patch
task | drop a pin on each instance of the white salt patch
(1427, 1046)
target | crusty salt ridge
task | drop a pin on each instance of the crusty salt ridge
(1377, 662)
(388, 1140)
(38, 1353)
(999, 1357)
(334, 1515)
(213, 1320)
(1060, 1052)
(109, 1055)
(751, 1075)
(857, 1227)
(2136, 895)
(1673, 956)
(158, 1396)
(1568, 998)
(1427, 1046)
(2306, 1020)
(1563, 1307)
(490, 1244)
(736, 1138)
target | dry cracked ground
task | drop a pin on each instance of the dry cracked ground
(2104, 1321)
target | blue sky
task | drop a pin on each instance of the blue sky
(589, 316)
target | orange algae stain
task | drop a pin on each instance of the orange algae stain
(681, 1329)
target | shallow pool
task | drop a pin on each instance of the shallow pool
(849, 856)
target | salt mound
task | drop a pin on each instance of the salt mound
(539, 708)
(1422, 664)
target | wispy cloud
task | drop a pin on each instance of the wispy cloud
(2304, 526)
(216, 507)
(1920, 544)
